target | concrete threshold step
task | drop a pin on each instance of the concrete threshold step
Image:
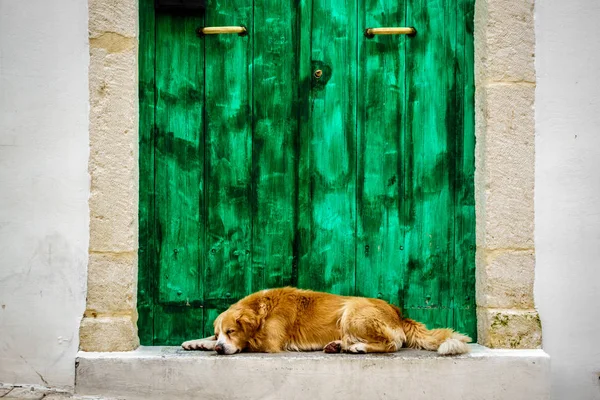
(171, 373)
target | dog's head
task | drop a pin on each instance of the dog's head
(234, 328)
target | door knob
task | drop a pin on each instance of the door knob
(318, 73)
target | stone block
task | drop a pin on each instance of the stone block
(505, 278)
(112, 282)
(505, 160)
(118, 16)
(114, 150)
(106, 334)
(509, 329)
(504, 41)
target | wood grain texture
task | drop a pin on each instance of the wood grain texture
(427, 279)
(381, 230)
(331, 133)
(147, 249)
(179, 172)
(227, 108)
(274, 130)
(306, 80)
(437, 89)
(463, 276)
(173, 324)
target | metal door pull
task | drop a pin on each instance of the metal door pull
(371, 32)
(221, 30)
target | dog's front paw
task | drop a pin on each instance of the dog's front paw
(333, 347)
(204, 345)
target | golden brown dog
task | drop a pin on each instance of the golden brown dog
(290, 319)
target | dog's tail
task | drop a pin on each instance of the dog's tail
(444, 341)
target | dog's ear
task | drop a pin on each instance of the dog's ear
(248, 320)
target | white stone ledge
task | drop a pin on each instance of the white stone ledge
(171, 373)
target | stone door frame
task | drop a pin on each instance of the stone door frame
(505, 84)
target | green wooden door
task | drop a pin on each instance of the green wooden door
(254, 173)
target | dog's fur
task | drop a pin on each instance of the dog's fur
(290, 319)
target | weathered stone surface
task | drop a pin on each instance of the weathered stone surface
(511, 329)
(505, 166)
(105, 334)
(113, 166)
(171, 373)
(504, 41)
(112, 282)
(118, 16)
(36, 392)
(113, 148)
(505, 278)
(113, 42)
(505, 159)
(30, 392)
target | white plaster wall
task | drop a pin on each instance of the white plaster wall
(568, 193)
(44, 188)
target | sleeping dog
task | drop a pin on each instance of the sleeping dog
(290, 319)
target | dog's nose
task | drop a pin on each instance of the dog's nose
(219, 349)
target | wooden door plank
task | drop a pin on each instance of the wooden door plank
(274, 164)
(228, 97)
(332, 153)
(429, 80)
(302, 243)
(147, 250)
(381, 228)
(463, 288)
(179, 158)
(174, 324)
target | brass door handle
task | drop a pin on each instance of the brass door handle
(371, 32)
(221, 30)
